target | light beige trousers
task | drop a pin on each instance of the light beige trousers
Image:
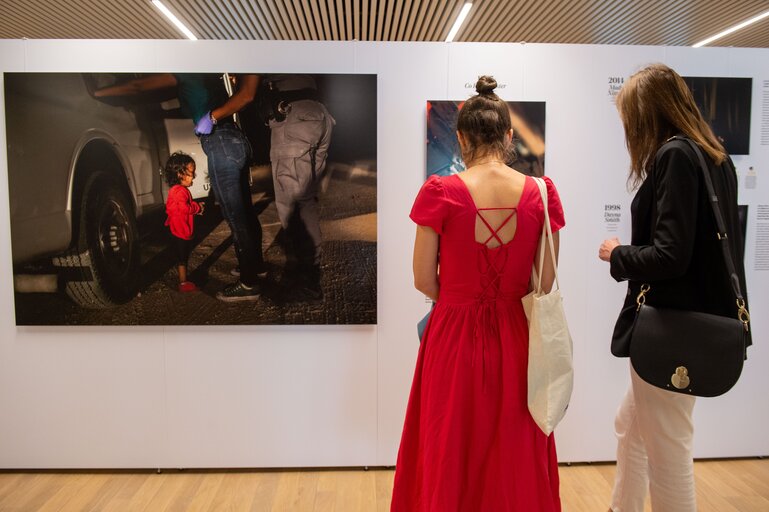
(654, 450)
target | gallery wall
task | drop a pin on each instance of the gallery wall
(300, 396)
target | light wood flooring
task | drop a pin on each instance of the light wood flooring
(722, 486)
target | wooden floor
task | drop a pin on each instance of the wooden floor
(722, 486)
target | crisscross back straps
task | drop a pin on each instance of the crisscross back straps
(494, 233)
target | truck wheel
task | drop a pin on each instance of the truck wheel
(102, 270)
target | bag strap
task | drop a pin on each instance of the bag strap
(547, 234)
(734, 280)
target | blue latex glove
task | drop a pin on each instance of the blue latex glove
(205, 125)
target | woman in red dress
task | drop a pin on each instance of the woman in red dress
(469, 443)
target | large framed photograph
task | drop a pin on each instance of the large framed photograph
(278, 196)
(443, 154)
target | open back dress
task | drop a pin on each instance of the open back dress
(469, 443)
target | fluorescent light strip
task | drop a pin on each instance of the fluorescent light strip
(458, 23)
(730, 30)
(168, 14)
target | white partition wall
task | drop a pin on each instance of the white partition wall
(300, 396)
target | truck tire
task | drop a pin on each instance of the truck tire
(102, 269)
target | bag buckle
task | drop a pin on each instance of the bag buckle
(743, 314)
(641, 299)
(680, 379)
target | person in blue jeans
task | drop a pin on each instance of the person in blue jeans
(204, 98)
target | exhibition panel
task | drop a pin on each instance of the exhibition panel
(302, 396)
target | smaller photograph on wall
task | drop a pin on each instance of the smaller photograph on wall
(725, 104)
(192, 198)
(443, 154)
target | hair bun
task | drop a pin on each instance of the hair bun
(485, 85)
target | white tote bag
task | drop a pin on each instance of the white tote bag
(551, 375)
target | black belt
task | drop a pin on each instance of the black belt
(296, 95)
(226, 122)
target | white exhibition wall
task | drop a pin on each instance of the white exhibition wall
(294, 396)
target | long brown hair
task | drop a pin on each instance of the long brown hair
(655, 104)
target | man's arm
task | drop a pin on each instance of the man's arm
(138, 85)
(243, 96)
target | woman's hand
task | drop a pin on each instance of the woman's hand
(608, 245)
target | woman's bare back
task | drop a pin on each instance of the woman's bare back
(496, 191)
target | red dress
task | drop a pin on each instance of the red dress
(469, 443)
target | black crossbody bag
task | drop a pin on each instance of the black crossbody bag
(691, 352)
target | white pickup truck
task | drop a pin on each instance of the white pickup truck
(82, 171)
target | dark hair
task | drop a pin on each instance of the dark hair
(484, 121)
(655, 104)
(176, 165)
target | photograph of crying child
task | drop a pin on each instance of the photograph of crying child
(193, 198)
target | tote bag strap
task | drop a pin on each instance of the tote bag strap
(547, 234)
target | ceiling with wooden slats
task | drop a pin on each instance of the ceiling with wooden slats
(644, 22)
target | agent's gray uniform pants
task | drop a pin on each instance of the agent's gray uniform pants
(299, 145)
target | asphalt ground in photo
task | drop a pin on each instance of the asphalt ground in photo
(348, 269)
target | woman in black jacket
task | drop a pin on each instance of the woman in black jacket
(674, 248)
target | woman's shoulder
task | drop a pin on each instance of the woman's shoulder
(434, 181)
(549, 183)
(431, 206)
(531, 184)
(443, 182)
(676, 148)
(554, 205)
(432, 188)
(676, 160)
(443, 187)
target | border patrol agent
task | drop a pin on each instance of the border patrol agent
(300, 135)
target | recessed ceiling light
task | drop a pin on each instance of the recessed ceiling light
(168, 14)
(458, 23)
(732, 29)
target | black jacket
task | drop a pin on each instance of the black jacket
(674, 246)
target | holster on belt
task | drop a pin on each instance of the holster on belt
(280, 101)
